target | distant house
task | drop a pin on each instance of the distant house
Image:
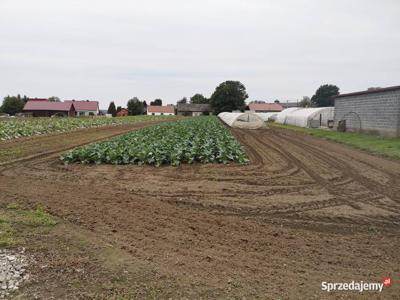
(85, 107)
(45, 108)
(122, 113)
(265, 107)
(186, 109)
(156, 110)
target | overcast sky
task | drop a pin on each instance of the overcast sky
(115, 50)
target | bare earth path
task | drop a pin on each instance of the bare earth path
(302, 212)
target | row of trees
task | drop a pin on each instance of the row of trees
(195, 99)
(134, 106)
(231, 95)
(324, 96)
(14, 104)
(228, 96)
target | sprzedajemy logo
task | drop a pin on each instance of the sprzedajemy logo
(359, 286)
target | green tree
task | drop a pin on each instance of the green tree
(12, 105)
(324, 95)
(112, 109)
(305, 102)
(199, 99)
(157, 102)
(135, 107)
(54, 99)
(183, 100)
(229, 96)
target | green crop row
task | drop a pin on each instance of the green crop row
(199, 139)
(20, 127)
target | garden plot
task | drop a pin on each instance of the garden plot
(16, 128)
(304, 211)
(201, 139)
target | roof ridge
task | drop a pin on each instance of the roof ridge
(372, 91)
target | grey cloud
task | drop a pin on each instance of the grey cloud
(113, 50)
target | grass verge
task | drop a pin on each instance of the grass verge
(17, 223)
(389, 147)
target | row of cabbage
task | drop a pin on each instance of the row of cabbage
(198, 139)
(22, 127)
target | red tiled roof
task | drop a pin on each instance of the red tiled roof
(161, 109)
(84, 105)
(47, 105)
(270, 107)
(123, 112)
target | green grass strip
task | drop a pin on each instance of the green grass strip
(389, 147)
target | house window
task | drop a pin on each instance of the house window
(152, 114)
(162, 114)
(81, 113)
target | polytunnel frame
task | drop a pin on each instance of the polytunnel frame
(306, 117)
(234, 120)
(345, 118)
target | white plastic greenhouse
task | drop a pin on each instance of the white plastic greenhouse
(310, 117)
(244, 120)
(267, 116)
(281, 116)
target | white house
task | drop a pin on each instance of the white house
(85, 107)
(155, 110)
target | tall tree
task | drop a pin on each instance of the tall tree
(54, 99)
(324, 95)
(157, 102)
(12, 105)
(229, 96)
(199, 99)
(135, 107)
(183, 100)
(111, 109)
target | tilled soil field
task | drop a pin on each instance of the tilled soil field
(303, 211)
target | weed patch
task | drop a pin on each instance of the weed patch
(15, 223)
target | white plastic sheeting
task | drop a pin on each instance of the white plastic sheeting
(310, 117)
(281, 116)
(268, 115)
(245, 120)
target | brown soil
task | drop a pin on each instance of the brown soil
(303, 211)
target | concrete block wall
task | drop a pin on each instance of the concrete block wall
(377, 113)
